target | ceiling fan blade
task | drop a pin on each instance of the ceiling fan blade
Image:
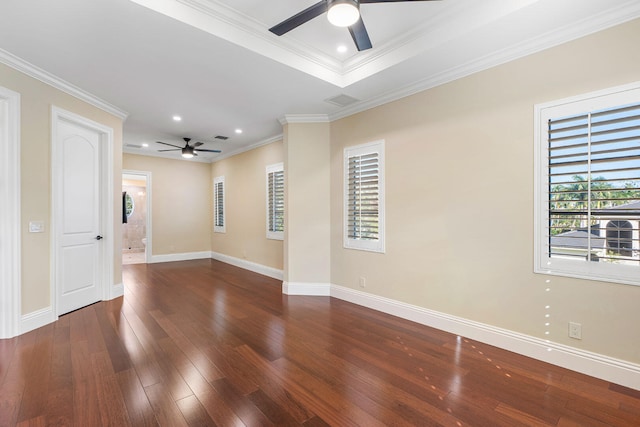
(300, 18)
(197, 144)
(160, 142)
(388, 1)
(172, 149)
(360, 36)
(208, 151)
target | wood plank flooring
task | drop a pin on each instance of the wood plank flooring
(202, 343)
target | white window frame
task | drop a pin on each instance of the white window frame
(219, 228)
(608, 98)
(365, 244)
(275, 235)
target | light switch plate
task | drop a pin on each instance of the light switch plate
(36, 226)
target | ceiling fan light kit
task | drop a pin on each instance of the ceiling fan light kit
(188, 151)
(343, 13)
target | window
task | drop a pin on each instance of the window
(219, 220)
(364, 197)
(275, 201)
(129, 204)
(588, 186)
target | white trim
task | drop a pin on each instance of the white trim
(361, 150)
(597, 365)
(200, 158)
(223, 21)
(278, 167)
(148, 249)
(117, 290)
(593, 101)
(306, 288)
(185, 256)
(10, 244)
(611, 18)
(37, 319)
(219, 228)
(227, 23)
(248, 265)
(106, 202)
(244, 149)
(56, 82)
(304, 118)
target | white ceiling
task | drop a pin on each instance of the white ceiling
(215, 63)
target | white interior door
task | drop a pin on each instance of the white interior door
(78, 220)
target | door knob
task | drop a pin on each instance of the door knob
(98, 237)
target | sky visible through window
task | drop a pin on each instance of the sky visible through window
(614, 136)
(594, 184)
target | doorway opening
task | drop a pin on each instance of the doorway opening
(136, 232)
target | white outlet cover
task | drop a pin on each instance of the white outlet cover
(36, 226)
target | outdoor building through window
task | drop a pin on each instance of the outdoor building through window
(275, 201)
(588, 214)
(364, 197)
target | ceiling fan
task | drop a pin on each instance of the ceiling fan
(188, 151)
(341, 13)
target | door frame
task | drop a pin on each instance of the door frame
(148, 248)
(107, 229)
(10, 261)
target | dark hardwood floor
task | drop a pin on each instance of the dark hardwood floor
(202, 343)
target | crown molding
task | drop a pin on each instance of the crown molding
(223, 21)
(151, 153)
(228, 24)
(217, 158)
(218, 11)
(37, 73)
(260, 143)
(304, 118)
(626, 12)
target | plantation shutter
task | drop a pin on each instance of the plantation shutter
(219, 204)
(275, 197)
(219, 220)
(363, 201)
(594, 185)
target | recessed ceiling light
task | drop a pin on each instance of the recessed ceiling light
(177, 118)
(144, 144)
(238, 130)
(341, 48)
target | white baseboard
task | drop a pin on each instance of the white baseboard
(180, 257)
(593, 364)
(37, 319)
(117, 291)
(306, 288)
(248, 265)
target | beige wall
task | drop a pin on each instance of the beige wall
(181, 212)
(246, 214)
(307, 200)
(459, 189)
(36, 100)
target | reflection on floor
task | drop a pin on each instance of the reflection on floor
(133, 258)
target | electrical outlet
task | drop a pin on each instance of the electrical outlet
(363, 282)
(36, 226)
(575, 330)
